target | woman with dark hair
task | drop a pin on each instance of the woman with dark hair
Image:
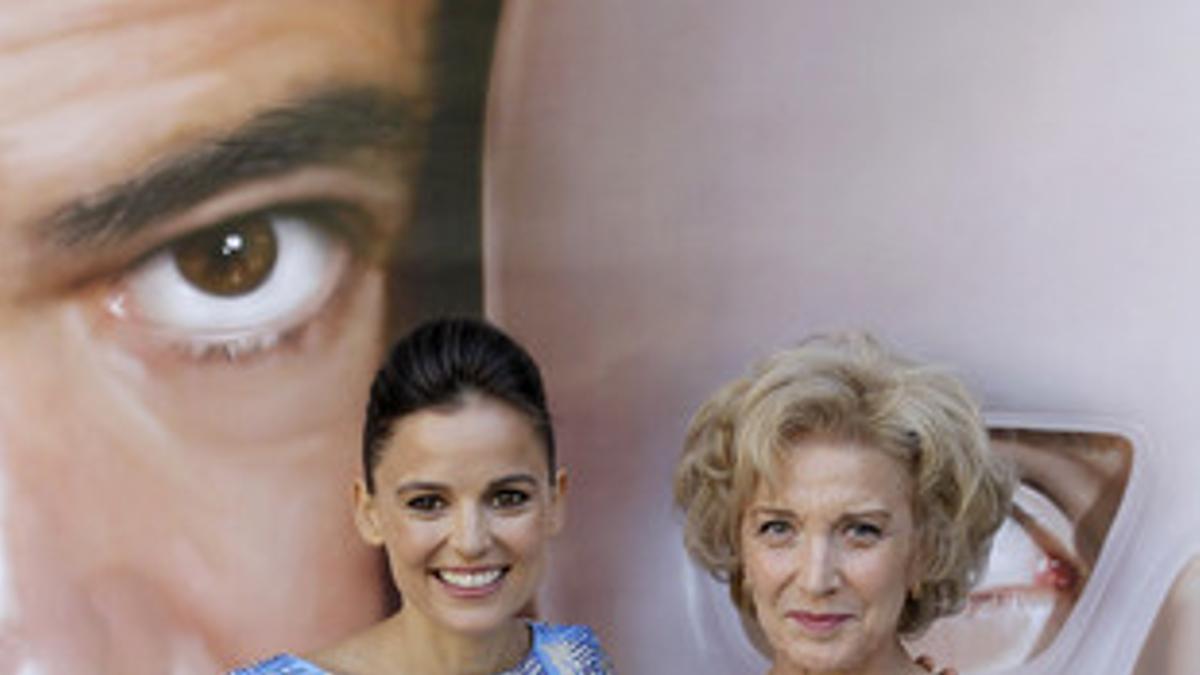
(461, 489)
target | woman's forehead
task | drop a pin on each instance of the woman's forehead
(828, 471)
(476, 435)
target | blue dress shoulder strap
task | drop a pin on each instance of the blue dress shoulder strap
(564, 650)
(283, 664)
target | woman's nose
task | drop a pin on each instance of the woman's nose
(472, 534)
(819, 575)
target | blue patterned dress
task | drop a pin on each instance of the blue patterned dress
(557, 650)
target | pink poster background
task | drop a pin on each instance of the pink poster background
(674, 189)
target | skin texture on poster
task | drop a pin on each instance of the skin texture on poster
(211, 228)
(675, 189)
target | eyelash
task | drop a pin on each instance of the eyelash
(326, 235)
(858, 533)
(426, 503)
(509, 499)
(503, 500)
(861, 533)
(774, 528)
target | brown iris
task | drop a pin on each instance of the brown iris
(230, 259)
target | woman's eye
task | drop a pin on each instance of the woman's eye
(509, 499)
(426, 503)
(239, 286)
(775, 529)
(863, 533)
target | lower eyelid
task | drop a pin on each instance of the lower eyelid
(259, 330)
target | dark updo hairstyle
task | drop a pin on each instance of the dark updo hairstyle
(439, 363)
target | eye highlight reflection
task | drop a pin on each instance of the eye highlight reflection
(231, 259)
(241, 286)
(1071, 486)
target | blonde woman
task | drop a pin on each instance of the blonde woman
(847, 496)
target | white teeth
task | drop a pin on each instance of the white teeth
(470, 579)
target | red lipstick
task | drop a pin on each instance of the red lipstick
(819, 624)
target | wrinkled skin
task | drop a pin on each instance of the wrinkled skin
(174, 468)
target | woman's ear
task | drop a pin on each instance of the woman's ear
(366, 517)
(558, 502)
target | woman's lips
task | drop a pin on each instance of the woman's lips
(473, 582)
(819, 624)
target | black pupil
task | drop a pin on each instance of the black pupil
(229, 260)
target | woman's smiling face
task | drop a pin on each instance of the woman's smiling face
(829, 556)
(464, 505)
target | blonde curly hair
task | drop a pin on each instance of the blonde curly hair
(849, 388)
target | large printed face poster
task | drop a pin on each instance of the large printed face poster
(675, 190)
(215, 215)
(213, 218)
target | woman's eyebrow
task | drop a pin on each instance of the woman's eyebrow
(419, 486)
(514, 478)
(869, 513)
(330, 126)
(771, 511)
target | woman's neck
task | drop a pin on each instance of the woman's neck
(409, 643)
(433, 649)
